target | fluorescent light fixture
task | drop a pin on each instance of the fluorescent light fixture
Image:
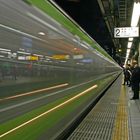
(5, 52)
(41, 33)
(130, 39)
(38, 55)
(135, 14)
(83, 45)
(78, 56)
(75, 40)
(21, 58)
(129, 45)
(128, 51)
(1, 49)
(134, 23)
(126, 59)
(23, 52)
(21, 49)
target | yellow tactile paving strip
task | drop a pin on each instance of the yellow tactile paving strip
(120, 130)
(109, 119)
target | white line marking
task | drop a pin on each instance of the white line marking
(20, 32)
(35, 91)
(42, 97)
(55, 28)
(43, 22)
(52, 109)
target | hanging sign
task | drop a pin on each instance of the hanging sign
(126, 32)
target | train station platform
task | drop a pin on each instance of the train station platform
(115, 117)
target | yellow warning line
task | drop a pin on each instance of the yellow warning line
(120, 130)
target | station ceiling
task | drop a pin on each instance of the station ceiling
(98, 18)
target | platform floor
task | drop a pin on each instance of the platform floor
(115, 117)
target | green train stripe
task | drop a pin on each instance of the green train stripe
(48, 8)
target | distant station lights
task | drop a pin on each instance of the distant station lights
(134, 23)
(130, 32)
(135, 14)
(129, 45)
(130, 39)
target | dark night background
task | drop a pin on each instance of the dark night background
(88, 15)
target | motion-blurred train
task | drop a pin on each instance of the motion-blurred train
(51, 70)
(47, 43)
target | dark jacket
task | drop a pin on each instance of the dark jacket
(127, 73)
(135, 75)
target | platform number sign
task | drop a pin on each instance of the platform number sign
(126, 32)
(117, 32)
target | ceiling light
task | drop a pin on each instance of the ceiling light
(129, 45)
(2, 49)
(75, 40)
(83, 45)
(120, 50)
(134, 22)
(135, 14)
(38, 55)
(23, 52)
(41, 33)
(130, 39)
(127, 55)
(128, 51)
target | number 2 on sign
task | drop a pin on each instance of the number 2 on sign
(117, 32)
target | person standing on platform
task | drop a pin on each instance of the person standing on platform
(135, 80)
(130, 71)
(127, 75)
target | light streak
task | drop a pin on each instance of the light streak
(20, 32)
(43, 22)
(35, 91)
(42, 97)
(50, 110)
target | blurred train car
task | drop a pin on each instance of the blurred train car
(42, 48)
(49, 50)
